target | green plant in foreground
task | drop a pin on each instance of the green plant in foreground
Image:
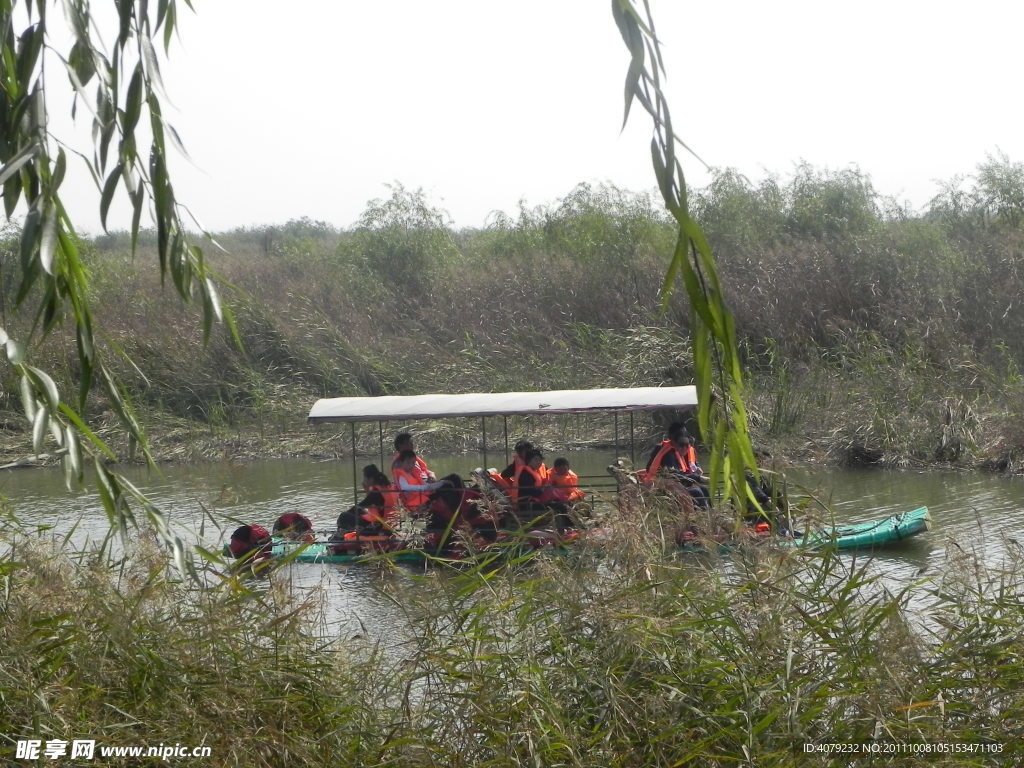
(718, 368)
(621, 659)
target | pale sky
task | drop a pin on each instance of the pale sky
(311, 107)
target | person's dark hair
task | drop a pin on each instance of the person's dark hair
(454, 480)
(406, 455)
(293, 522)
(676, 430)
(559, 463)
(402, 438)
(523, 447)
(374, 476)
(532, 454)
(374, 499)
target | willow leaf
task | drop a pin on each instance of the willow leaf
(15, 164)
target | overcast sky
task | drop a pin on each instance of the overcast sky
(311, 107)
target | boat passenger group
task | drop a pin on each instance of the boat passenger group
(528, 495)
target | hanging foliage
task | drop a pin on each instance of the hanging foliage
(721, 414)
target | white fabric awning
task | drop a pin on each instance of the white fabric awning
(409, 407)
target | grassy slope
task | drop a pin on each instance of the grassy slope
(870, 336)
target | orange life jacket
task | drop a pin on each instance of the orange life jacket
(538, 481)
(691, 458)
(411, 499)
(420, 466)
(564, 486)
(667, 447)
(390, 511)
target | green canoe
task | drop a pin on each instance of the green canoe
(876, 533)
(869, 535)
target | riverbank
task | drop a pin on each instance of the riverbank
(191, 443)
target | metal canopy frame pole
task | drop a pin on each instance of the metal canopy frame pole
(380, 446)
(355, 484)
(483, 435)
(632, 442)
(616, 420)
(505, 422)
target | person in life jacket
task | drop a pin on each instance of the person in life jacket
(506, 479)
(675, 458)
(403, 442)
(532, 502)
(364, 519)
(292, 525)
(454, 507)
(410, 483)
(250, 541)
(563, 483)
(375, 480)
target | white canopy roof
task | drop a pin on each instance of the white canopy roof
(408, 407)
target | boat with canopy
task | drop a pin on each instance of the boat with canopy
(614, 401)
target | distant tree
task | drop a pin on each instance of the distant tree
(831, 204)
(1000, 190)
(402, 238)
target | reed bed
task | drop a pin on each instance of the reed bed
(870, 334)
(617, 656)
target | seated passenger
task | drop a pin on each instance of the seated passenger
(367, 518)
(506, 479)
(403, 443)
(564, 483)
(532, 504)
(454, 507)
(410, 483)
(376, 481)
(293, 525)
(250, 541)
(674, 458)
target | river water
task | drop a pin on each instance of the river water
(978, 514)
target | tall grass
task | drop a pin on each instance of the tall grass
(621, 658)
(859, 321)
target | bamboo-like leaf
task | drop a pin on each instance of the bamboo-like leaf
(48, 240)
(16, 163)
(179, 145)
(109, 188)
(29, 46)
(39, 426)
(81, 67)
(152, 62)
(73, 458)
(214, 300)
(108, 495)
(11, 84)
(12, 194)
(133, 102)
(59, 169)
(138, 203)
(169, 23)
(28, 400)
(125, 11)
(44, 384)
